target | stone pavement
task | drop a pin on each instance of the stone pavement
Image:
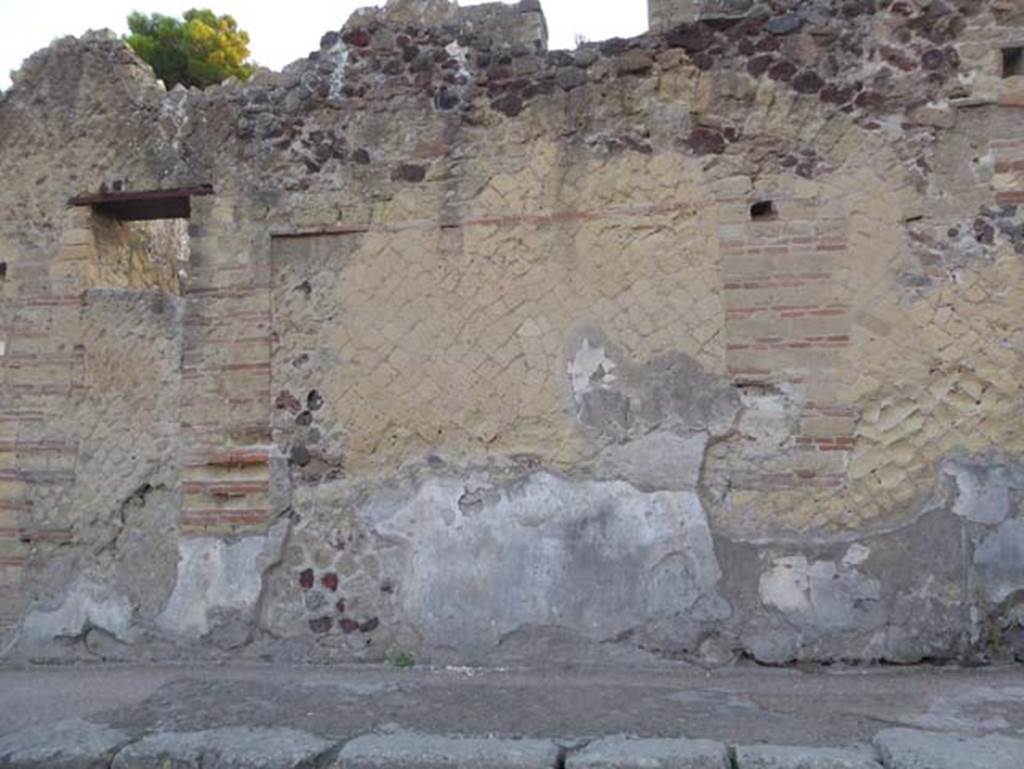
(652, 716)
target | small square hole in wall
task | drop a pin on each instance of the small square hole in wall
(762, 211)
(1013, 61)
(3, 270)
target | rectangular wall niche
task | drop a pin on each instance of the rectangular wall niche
(148, 254)
(1013, 61)
(762, 211)
(141, 238)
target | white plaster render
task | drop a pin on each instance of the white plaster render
(599, 558)
(214, 574)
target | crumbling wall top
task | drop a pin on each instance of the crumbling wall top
(665, 14)
(490, 25)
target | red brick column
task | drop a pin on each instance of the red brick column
(787, 326)
(40, 373)
(225, 410)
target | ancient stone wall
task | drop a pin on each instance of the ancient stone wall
(706, 342)
(666, 14)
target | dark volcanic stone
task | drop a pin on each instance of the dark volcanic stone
(704, 61)
(706, 141)
(855, 8)
(834, 94)
(808, 82)
(783, 71)
(760, 64)
(408, 172)
(285, 400)
(509, 104)
(446, 99)
(320, 625)
(749, 27)
(869, 100)
(360, 38)
(984, 232)
(690, 37)
(300, 456)
(933, 58)
(330, 581)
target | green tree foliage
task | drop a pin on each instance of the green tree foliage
(201, 49)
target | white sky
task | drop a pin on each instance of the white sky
(279, 32)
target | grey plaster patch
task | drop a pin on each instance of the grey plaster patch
(229, 748)
(146, 549)
(894, 595)
(219, 577)
(626, 753)
(87, 604)
(599, 558)
(999, 561)
(790, 757)
(983, 489)
(406, 750)
(661, 460)
(912, 749)
(650, 421)
(618, 400)
(820, 593)
(70, 744)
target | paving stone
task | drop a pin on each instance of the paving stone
(625, 753)
(71, 744)
(228, 748)
(789, 757)
(913, 749)
(405, 750)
